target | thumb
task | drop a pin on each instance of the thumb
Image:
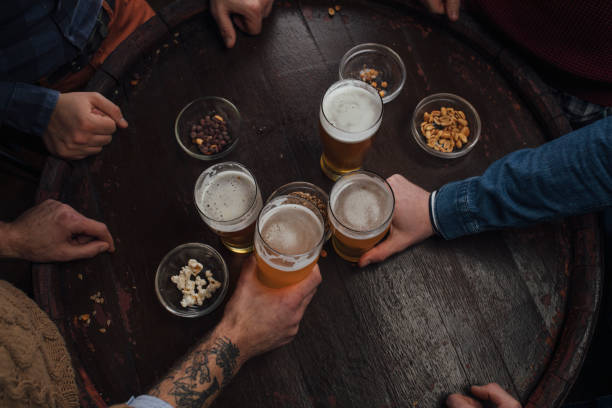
(226, 28)
(88, 250)
(109, 108)
(385, 249)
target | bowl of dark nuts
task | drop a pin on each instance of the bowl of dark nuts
(208, 128)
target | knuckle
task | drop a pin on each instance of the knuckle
(253, 7)
(115, 111)
(80, 138)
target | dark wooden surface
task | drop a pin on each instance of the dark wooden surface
(515, 307)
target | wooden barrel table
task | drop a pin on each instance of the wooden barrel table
(517, 307)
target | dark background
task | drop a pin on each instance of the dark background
(19, 187)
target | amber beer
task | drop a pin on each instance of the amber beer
(288, 240)
(228, 200)
(360, 209)
(350, 114)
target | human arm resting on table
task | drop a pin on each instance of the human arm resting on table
(257, 319)
(567, 176)
(73, 125)
(52, 232)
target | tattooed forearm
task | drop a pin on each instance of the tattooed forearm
(226, 353)
(194, 383)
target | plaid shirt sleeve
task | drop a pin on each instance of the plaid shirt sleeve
(26, 107)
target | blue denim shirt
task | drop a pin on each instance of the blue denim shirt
(36, 38)
(570, 175)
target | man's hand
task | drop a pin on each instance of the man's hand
(448, 7)
(410, 223)
(491, 392)
(259, 318)
(246, 14)
(52, 232)
(256, 319)
(81, 124)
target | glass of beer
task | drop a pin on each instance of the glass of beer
(288, 238)
(350, 114)
(360, 209)
(228, 200)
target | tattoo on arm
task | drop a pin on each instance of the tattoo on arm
(194, 381)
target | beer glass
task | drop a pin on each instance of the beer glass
(349, 116)
(288, 239)
(228, 200)
(360, 208)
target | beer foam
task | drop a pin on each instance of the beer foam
(362, 204)
(350, 113)
(227, 196)
(291, 230)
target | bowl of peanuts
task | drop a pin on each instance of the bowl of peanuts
(446, 125)
(377, 65)
(207, 128)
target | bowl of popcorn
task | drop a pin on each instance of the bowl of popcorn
(191, 280)
(377, 65)
(446, 125)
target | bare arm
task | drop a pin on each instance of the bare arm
(52, 232)
(197, 379)
(256, 319)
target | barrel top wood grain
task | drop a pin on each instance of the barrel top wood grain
(517, 307)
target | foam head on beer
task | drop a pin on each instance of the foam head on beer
(362, 203)
(229, 201)
(351, 112)
(288, 241)
(227, 196)
(291, 229)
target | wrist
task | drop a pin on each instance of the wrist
(231, 331)
(8, 241)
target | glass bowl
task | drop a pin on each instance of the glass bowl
(194, 111)
(170, 296)
(435, 102)
(309, 188)
(380, 57)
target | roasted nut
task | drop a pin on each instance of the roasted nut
(445, 129)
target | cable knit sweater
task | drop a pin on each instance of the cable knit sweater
(35, 368)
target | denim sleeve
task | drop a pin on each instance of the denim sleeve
(147, 401)
(569, 175)
(26, 107)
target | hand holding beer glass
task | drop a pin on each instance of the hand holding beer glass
(361, 206)
(228, 200)
(350, 114)
(288, 238)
